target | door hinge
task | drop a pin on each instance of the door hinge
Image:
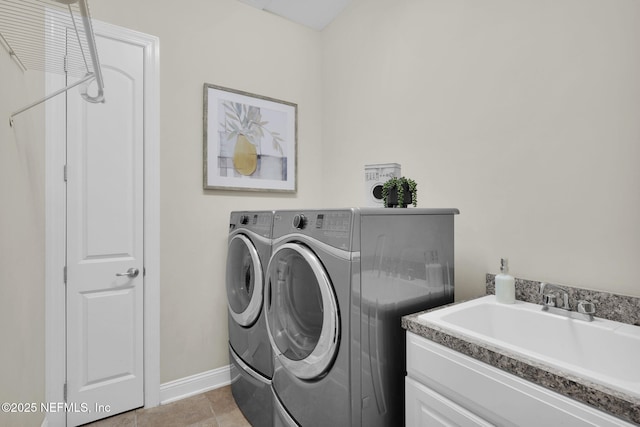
(64, 392)
(65, 173)
(64, 274)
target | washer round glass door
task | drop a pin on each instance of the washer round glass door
(301, 309)
(244, 281)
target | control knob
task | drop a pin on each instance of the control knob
(244, 219)
(299, 221)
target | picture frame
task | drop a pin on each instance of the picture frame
(250, 141)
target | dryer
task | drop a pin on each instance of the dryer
(337, 284)
(250, 354)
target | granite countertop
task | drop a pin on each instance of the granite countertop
(597, 395)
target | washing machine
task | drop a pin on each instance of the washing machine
(250, 354)
(337, 285)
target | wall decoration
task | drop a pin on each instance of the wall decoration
(250, 141)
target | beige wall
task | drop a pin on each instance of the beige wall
(21, 243)
(524, 115)
(227, 43)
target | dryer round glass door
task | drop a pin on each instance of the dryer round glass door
(244, 281)
(301, 309)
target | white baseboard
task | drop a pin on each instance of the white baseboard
(189, 386)
(195, 384)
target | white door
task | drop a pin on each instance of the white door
(105, 240)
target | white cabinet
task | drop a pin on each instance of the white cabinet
(425, 407)
(447, 388)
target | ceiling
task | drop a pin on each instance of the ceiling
(315, 14)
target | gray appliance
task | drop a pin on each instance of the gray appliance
(337, 284)
(250, 355)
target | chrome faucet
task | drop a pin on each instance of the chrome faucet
(549, 294)
(549, 299)
(586, 308)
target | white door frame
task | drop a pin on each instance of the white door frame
(55, 211)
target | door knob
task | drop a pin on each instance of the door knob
(131, 273)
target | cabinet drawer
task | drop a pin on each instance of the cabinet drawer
(425, 408)
(492, 394)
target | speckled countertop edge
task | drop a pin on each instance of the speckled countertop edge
(597, 395)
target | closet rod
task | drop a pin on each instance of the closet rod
(51, 95)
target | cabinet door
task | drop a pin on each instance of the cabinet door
(425, 407)
(495, 395)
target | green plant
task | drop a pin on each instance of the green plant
(399, 185)
(247, 120)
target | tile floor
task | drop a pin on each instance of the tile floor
(215, 408)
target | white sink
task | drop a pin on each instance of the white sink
(602, 351)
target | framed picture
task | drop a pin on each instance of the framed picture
(250, 141)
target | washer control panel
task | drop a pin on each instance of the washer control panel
(299, 222)
(333, 222)
(259, 222)
(333, 227)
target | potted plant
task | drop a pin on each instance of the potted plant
(400, 192)
(244, 122)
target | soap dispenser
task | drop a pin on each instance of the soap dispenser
(505, 284)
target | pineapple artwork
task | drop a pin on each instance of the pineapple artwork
(245, 156)
(245, 125)
(250, 141)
